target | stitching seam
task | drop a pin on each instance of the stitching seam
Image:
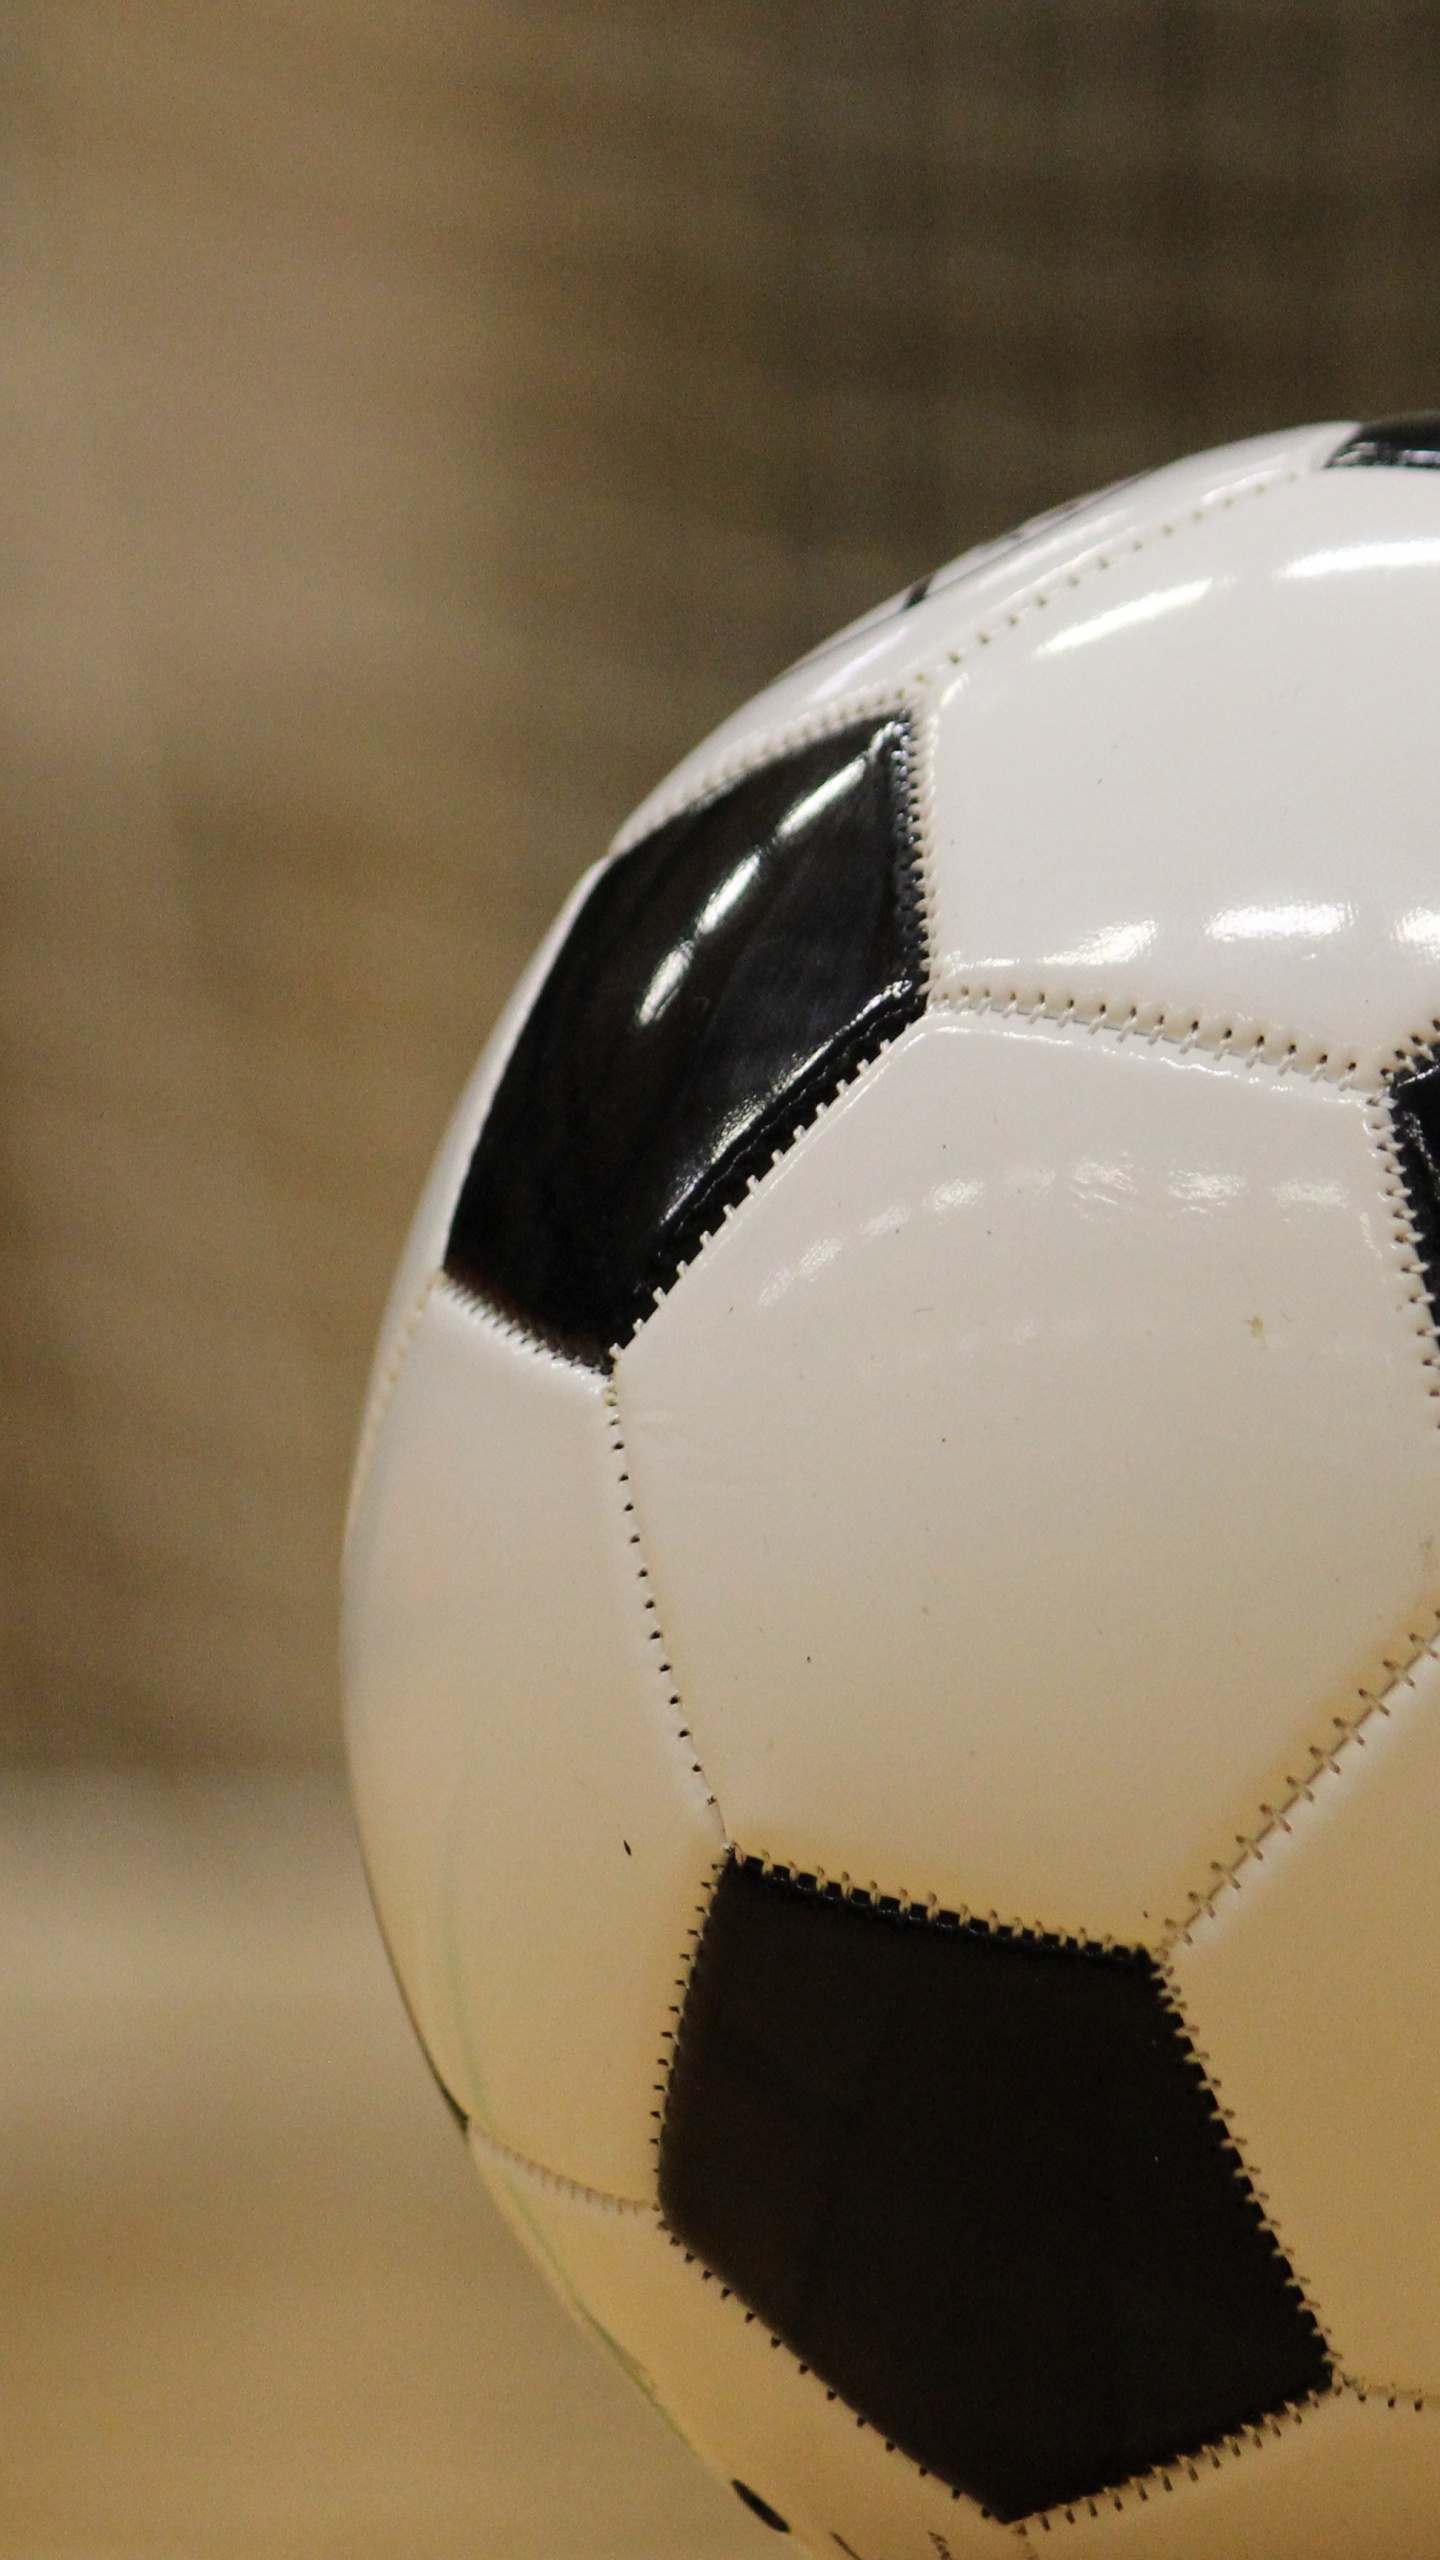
(1326, 1759)
(655, 1638)
(871, 703)
(507, 1328)
(1217, 1035)
(1045, 592)
(897, 1902)
(385, 1386)
(755, 751)
(654, 1633)
(551, 2180)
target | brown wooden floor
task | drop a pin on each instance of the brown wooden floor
(253, 2303)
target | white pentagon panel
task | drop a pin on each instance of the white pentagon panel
(1312, 1990)
(1231, 817)
(1034, 1465)
(536, 1832)
(744, 2404)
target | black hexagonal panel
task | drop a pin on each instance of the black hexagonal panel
(721, 981)
(976, 2181)
(1406, 444)
(1415, 1111)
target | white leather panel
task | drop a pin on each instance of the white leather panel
(938, 1449)
(1313, 1990)
(745, 2406)
(1345, 2480)
(1231, 817)
(535, 1829)
(888, 650)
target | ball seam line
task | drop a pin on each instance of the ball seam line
(671, 2036)
(1247, 1043)
(1167, 2478)
(654, 1632)
(1328, 1760)
(684, 1735)
(520, 2163)
(900, 692)
(1164, 528)
(1174, 1999)
(380, 1399)
(896, 699)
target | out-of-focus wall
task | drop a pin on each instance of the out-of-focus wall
(418, 420)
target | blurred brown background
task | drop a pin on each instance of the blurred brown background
(418, 420)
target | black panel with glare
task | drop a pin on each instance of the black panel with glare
(1403, 444)
(1415, 1110)
(721, 981)
(976, 2181)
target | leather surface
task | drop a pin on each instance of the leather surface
(1019, 1503)
(718, 984)
(536, 1833)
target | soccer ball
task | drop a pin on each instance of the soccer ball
(893, 1621)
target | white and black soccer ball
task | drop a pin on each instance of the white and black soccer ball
(894, 1574)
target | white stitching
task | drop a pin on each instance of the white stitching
(1326, 1759)
(520, 2162)
(1216, 1035)
(755, 753)
(509, 1329)
(1045, 591)
(381, 1395)
(751, 753)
